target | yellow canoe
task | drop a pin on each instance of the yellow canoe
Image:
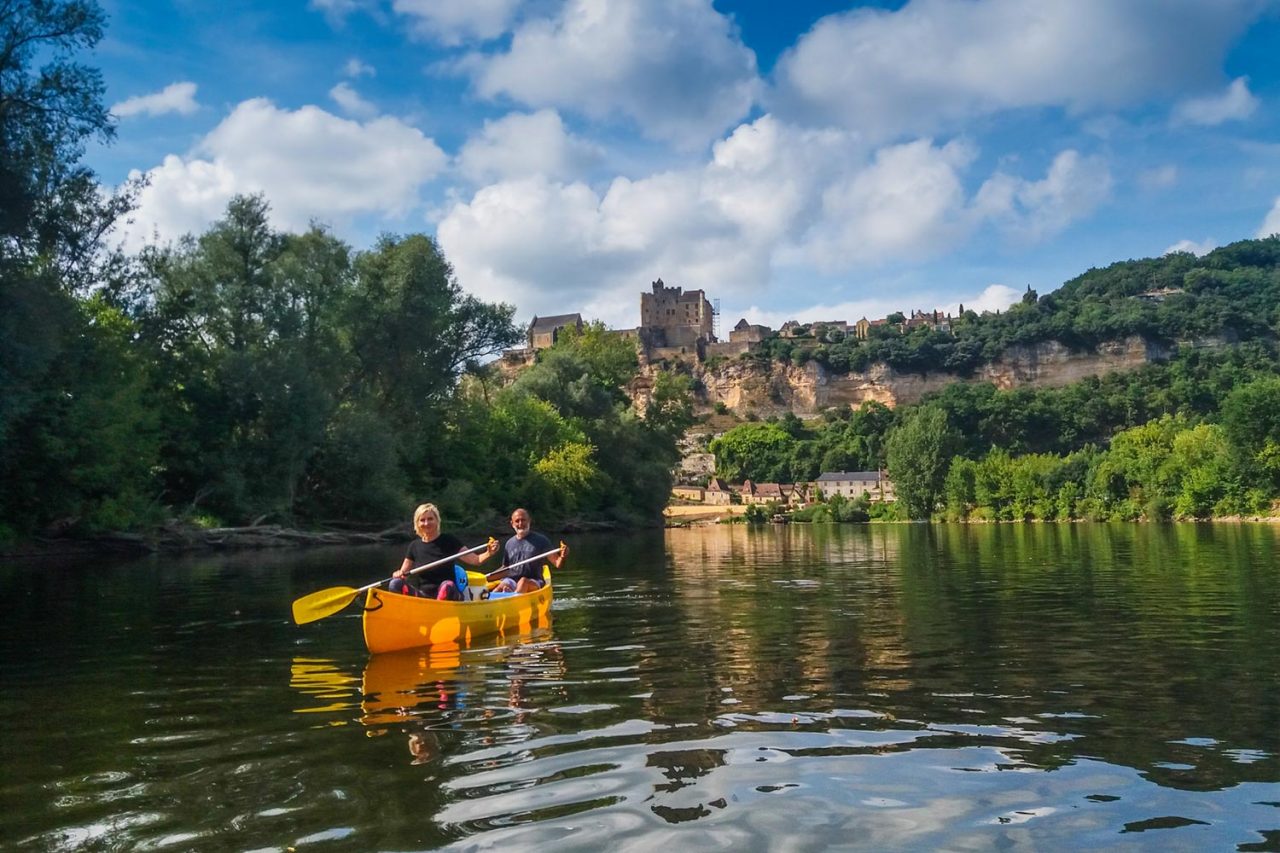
(393, 621)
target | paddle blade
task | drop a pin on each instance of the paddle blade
(322, 603)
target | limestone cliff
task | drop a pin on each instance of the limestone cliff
(807, 390)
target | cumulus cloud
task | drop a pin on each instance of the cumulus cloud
(771, 196)
(1271, 225)
(1198, 249)
(677, 68)
(909, 199)
(319, 166)
(351, 102)
(356, 69)
(336, 12)
(994, 297)
(1034, 210)
(1158, 178)
(522, 144)
(175, 98)
(553, 247)
(452, 22)
(1237, 102)
(934, 63)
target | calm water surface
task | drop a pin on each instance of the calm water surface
(796, 688)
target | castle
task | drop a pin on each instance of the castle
(676, 324)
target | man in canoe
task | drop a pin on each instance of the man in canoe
(525, 544)
(431, 546)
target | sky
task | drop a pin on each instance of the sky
(800, 160)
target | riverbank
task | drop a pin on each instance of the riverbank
(176, 537)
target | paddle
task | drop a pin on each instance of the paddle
(327, 602)
(505, 571)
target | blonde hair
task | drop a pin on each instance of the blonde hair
(418, 513)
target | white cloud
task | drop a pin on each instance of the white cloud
(909, 199)
(677, 68)
(994, 297)
(355, 69)
(1034, 210)
(523, 144)
(1237, 102)
(554, 248)
(451, 22)
(318, 166)
(771, 196)
(1198, 249)
(934, 63)
(175, 98)
(1271, 225)
(351, 102)
(1158, 178)
(336, 12)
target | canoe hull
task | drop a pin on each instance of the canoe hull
(393, 621)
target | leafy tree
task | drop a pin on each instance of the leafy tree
(52, 222)
(753, 451)
(918, 451)
(1251, 421)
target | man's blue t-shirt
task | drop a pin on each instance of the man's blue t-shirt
(518, 549)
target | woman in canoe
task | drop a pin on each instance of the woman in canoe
(430, 546)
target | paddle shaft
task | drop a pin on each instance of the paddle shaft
(423, 568)
(503, 572)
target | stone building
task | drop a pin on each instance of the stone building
(854, 484)
(673, 318)
(750, 333)
(545, 331)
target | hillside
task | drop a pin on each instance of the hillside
(1122, 317)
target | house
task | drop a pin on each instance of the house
(750, 333)
(545, 331)
(687, 493)
(854, 484)
(768, 493)
(934, 320)
(718, 492)
(862, 328)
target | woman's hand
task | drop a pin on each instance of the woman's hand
(493, 548)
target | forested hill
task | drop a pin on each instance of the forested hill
(1196, 436)
(1232, 293)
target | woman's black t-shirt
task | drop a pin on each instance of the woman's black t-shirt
(420, 553)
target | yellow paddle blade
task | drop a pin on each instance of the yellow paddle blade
(322, 603)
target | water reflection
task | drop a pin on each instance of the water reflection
(881, 687)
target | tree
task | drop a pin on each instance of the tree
(757, 451)
(53, 217)
(918, 451)
(1251, 420)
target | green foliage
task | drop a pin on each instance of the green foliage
(918, 452)
(759, 451)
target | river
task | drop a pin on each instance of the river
(878, 687)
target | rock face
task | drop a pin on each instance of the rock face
(808, 390)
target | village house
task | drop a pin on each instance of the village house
(545, 331)
(854, 484)
(862, 328)
(718, 493)
(688, 493)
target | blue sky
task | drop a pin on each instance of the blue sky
(806, 161)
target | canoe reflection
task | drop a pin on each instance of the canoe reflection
(446, 685)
